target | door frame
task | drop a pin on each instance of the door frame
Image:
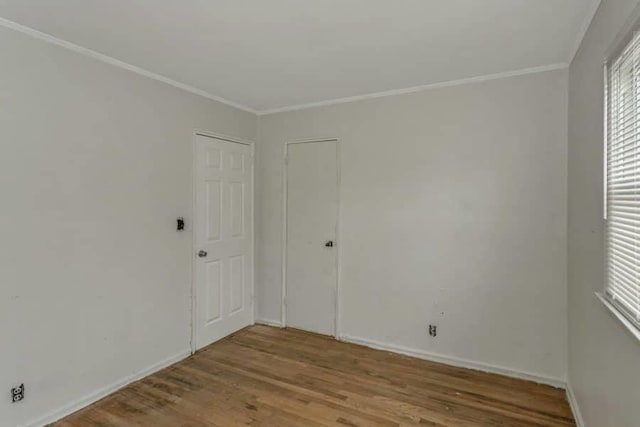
(194, 178)
(285, 168)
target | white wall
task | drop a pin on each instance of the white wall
(604, 359)
(95, 165)
(454, 212)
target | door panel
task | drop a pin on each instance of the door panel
(237, 282)
(214, 290)
(312, 216)
(214, 209)
(223, 239)
(237, 206)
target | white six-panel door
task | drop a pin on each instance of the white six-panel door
(311, 253)
(223, 239)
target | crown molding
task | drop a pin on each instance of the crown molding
(413, 89)
(117, 63)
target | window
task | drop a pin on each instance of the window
(622, 190)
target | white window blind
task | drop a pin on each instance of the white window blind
(623, 180)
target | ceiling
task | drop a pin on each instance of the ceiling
(270, 54)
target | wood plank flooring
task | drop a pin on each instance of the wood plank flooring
(265, 376)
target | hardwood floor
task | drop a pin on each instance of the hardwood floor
(281, 377)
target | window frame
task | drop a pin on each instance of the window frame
(619, 310)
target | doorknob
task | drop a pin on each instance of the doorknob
(329, 244)
(202, 254)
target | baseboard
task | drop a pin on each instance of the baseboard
(105, 391)
(269, 322)
(573, 402)
(455, 361)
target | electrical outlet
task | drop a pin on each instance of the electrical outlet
(433, 330)
(17, 393)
